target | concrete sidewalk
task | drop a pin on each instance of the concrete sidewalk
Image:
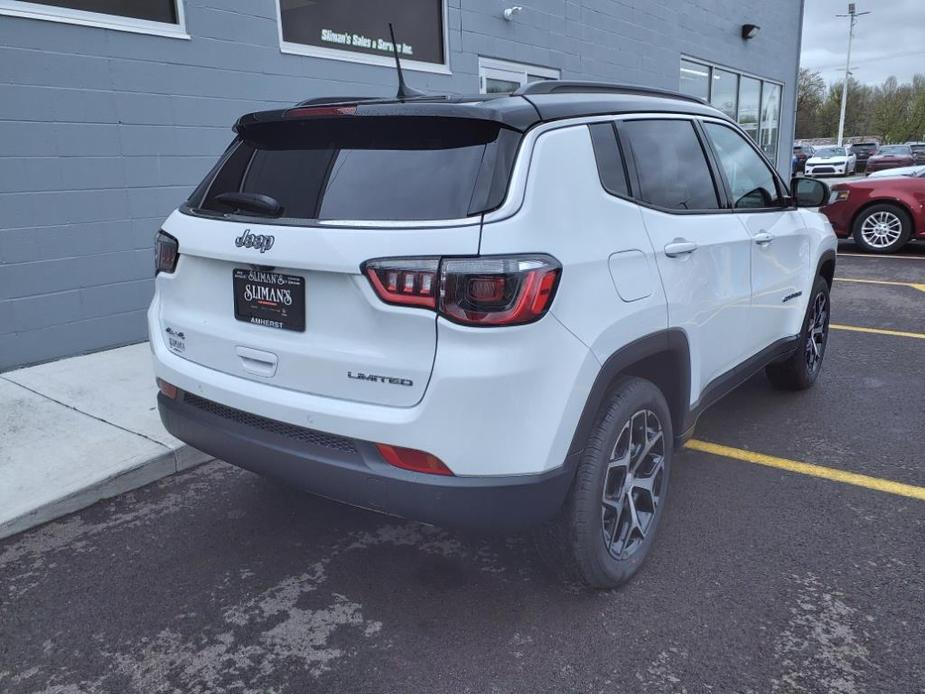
(79, 430)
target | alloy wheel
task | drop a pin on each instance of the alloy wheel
(634, 484)
(881, 229)
(817, 332)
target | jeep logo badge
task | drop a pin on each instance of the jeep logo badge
(263, 242)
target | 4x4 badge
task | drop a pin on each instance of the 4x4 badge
(263, 242)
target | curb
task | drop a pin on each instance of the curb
(154, 469)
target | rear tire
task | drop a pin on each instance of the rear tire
(800, 370)
(608, 523)
(883, 228)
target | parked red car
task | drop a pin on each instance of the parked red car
(881, 213)
(889, 157)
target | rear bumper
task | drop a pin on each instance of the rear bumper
(352, 471)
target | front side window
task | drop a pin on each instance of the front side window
(751, 182)
(361, 27)
(163, 11)
(670, 164)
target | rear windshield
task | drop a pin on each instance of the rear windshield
(372, 168)
(864, 148)
(896, 149)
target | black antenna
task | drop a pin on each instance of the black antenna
(404, 91)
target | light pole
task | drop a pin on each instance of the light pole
(853, 15)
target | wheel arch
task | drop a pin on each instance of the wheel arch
(826, 267)
(662, 358)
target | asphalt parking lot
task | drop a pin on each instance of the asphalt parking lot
(763, 579)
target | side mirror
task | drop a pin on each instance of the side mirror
(809, 192)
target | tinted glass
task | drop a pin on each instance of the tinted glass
(150, 10)
(362, 26)
(368, 169)
(670, 164)
(750, 180)
(695, 79)
(725, 92)
(609, 158)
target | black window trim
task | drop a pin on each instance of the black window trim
(630, 163)
(630, 188)
(788, 202)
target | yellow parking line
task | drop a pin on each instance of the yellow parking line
(914, 285)
(870, 255)
(877, 483)
(877, 331)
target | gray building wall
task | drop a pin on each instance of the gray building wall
(104, 132)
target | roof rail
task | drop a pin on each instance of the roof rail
(580, 87)
(320, 100)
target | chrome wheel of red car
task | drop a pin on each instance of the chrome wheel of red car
(882, 229)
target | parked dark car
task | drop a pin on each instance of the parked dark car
(891, 156)
(863, 151)
(918, 152)
(881, 213)
(801, 153)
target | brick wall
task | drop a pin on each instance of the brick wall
(103, 132)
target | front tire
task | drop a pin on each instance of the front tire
(800, 370)
(607, 525)
(882, 228)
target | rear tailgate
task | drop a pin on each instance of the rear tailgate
(349, 337)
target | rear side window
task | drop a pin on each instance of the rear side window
(750, 180)
(373, 168)
(670, 164)
(609, 158)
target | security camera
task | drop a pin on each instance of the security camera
(511, 11)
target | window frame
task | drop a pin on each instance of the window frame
(710, 66)
(630, 163)
(100, 20)
(783, 190)
(512, 71)
(348, 56)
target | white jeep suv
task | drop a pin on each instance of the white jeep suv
(495, 312)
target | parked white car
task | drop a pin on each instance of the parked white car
(831, 161)
(899, 171)
(493, 312)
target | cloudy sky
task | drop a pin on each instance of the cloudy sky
(889, 41)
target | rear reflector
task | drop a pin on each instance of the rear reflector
(410, 459)
(168, 389)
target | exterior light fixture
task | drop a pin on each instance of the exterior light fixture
(750, 31)
(511, 11)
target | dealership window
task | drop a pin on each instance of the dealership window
(754, 103)
(501, 76)
(358, 31)
(159, 17)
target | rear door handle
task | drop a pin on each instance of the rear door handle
(763, 238)
(680, 247)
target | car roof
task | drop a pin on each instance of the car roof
(533, 103)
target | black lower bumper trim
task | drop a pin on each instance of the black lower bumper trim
(360, 477)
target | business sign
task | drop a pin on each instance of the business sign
(362, 26)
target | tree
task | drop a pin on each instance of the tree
(810, 95)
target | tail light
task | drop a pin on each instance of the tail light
(411, 459)
(484, 291)
(166, 252)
